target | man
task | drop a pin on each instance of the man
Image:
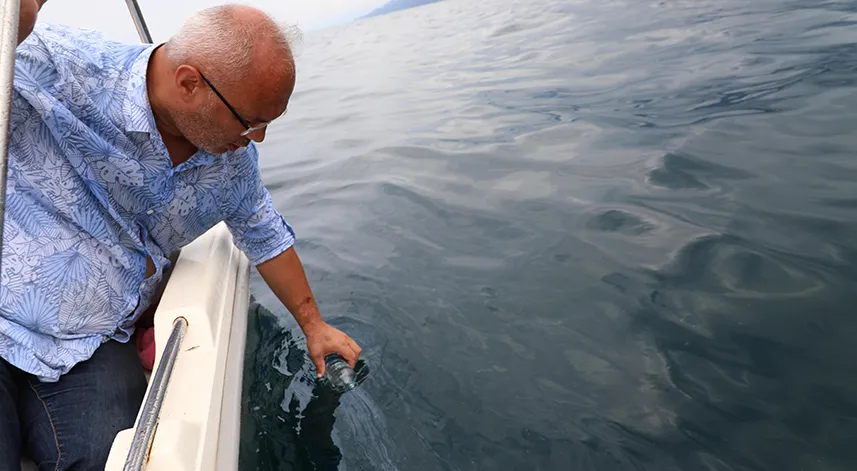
(118, 155)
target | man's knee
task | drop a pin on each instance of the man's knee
(74, 421)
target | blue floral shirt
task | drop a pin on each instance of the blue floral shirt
(91, 191)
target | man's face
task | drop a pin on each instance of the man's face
(199, 127)
(215, 128)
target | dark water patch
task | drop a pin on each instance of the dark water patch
(679, 171)
(620, 221)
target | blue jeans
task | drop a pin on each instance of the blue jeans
(70, 424)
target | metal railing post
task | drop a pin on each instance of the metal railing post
(8, 44)
(144, 432)
(139, 21)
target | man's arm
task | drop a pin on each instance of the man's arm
(268, 241)
(28, 14)
(285, 275)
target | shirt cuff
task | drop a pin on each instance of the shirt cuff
(260, 251)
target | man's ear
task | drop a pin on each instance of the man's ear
(189, 83)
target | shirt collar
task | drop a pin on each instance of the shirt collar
(136, 108)
(198, 159)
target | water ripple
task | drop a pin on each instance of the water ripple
(611, 235)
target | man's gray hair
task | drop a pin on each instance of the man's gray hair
(215, 39)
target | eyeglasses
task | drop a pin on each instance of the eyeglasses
(247, 128)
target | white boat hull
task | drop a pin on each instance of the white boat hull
(199, 423)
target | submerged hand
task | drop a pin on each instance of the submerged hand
(285, 275)
(323, 339)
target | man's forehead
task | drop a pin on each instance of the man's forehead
(269, 84)
(269, 116)
(269, 104)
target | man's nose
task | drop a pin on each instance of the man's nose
(258, 135)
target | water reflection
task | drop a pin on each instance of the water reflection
(304, 435)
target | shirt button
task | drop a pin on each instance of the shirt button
(150, 211)
(142, 285)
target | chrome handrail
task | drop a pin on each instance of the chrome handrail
(144, 432)
(139, 22)
(8, 43)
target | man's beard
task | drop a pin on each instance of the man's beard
(197, 127)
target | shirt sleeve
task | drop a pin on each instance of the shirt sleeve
(257, 228)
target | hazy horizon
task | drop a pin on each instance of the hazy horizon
(164, 18)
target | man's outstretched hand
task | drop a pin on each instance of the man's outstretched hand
(323, 339)
(285, 275)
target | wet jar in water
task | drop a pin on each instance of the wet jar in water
(337, 372)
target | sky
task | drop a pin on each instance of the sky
(165, 16)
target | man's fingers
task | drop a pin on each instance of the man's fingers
(350, 355)
(355, 347)
(357, 350)
(342, 344)
(318, 361)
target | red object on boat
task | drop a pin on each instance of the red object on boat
(146, 347)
